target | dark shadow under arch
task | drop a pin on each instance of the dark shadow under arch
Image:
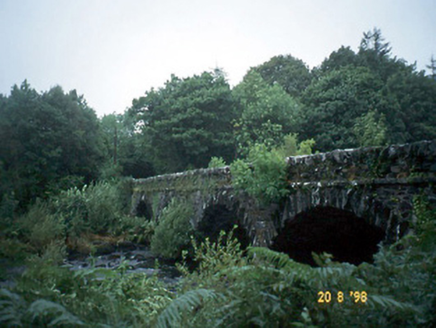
(219, 217)
(143, 210)
(326, 229)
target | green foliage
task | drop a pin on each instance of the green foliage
(425, 225)
(51, 296)
(212, 257)
(94, 208)
(262, 175)
(432, 68)
(233, 288)
(183, 305)
(55, 252)
(187, 121)
(290, 73)
(40, 227)
(135, 229)
(342, 57)
(268, 289)
(409, 115)
(267, 113)
(369, 130)
(305, 147)
(50, 313)
(216, 162)
(7, 210)
(69, 216)
(110, 171)
(290, 146)
(12, 309)
(13, 249)
(349, 87)
(173, 231)
(333, 103)
(125, 149)
(50, 136)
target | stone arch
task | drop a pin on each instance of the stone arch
(386, 206)
(347, 237)
(142, 208)
(217, 217)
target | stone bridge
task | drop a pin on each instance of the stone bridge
(343, 202)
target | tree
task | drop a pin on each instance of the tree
(126, 153)
(267, 113)
(373, 42)
(354, 94)
(375, 54)
(80, 143)
(370, 129)
(187, 121)
(432, 68)
(342, 57)
(290, 73)
(51, 140)
(410, 108)
(332, 104)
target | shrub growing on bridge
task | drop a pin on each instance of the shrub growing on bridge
(262, 175)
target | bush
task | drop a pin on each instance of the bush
(216, 162)
(40, 228)
(13, 249)
(55, 252)
(173, 231)
(290, 147)
(135, 229)
(94, 208)
(52, 296)
(262, 175)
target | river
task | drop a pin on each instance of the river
(139, 259)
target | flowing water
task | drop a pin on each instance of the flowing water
(139, 259)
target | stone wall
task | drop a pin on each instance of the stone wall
(377, 184)
(416, 160)
(206, 189)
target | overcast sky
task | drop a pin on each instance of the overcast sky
(112, 51)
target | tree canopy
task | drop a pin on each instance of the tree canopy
(52, 140)
(187, 121)
(265, 113)
(348, 86)
(290, 73)
(356, 98)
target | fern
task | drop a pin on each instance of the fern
(280, 261)
(383, 301)
(12, 307)
(59, 315)
(188, 302)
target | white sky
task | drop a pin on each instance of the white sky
(112, 51)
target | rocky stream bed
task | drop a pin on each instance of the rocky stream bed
(133, 257)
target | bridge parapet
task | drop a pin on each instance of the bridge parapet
(376, 184)
(185, 182)
(414, 161)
